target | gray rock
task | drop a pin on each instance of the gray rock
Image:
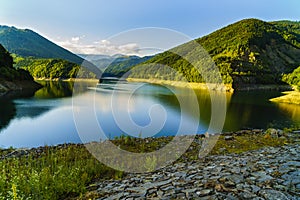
(140, 191)
(167, 188)
(180, 174)
(235, 178)
(247, 195)
(229, 137)
(273, 195)
(293, 163)
(255, 188)
(235, 170)
(205, 192)
(262, 176)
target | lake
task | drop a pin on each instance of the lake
(48, 116)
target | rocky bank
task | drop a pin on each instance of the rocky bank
(269, 173)
(18, 86)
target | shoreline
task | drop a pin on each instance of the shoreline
(238, 159)
(67, 80)
(289, 97)
(215, 87)
(182, 84)
(18, 86)
(241, 132)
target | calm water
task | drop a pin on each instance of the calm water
(47, 117)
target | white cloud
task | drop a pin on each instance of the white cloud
(75, 39)
(76, 45)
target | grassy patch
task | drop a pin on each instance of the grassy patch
(50, 173)
(240, 144)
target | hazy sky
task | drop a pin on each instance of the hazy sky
(81, 24)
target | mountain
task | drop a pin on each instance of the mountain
(27, 43)
(11, 78)
(121, 65)
(101, 61)
(116, 65)
(293, 28)
(247, 52)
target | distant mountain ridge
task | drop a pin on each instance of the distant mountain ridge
(247, 52)
(116, 65)
(27, 43)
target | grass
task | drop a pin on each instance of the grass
(69, 171)
(50, 173)
(292, 97)
(245, 143)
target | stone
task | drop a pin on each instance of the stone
(255, 188)
(229, 184)
(180, 174)
(167, 188)
(273, 132)
(235, 170)
(203, 193)
(235, 178)
(247, 195)
(262, 176)
(229, 137)
(293, 163)
(273, 195)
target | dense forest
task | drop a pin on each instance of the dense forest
(293, 78)
(52, 68)
(122, 65)
(250, 51)
(7, 71)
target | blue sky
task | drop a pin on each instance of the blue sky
(76, 24)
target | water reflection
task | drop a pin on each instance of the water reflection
(290, 110)
(8, 112)
(46, 117)
(254, 110)
(54, 89)
(8, 109)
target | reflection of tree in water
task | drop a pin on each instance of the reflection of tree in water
(17, 104)
(59, 89)
(291, 110)
(55, 89)
(203, 102)
(254, 110)
(8, 108)
(7, 112)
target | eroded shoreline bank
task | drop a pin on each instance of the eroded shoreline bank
(211, 86)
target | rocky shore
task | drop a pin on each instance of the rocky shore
(248, 164)
(18, 86)
(269, 173)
